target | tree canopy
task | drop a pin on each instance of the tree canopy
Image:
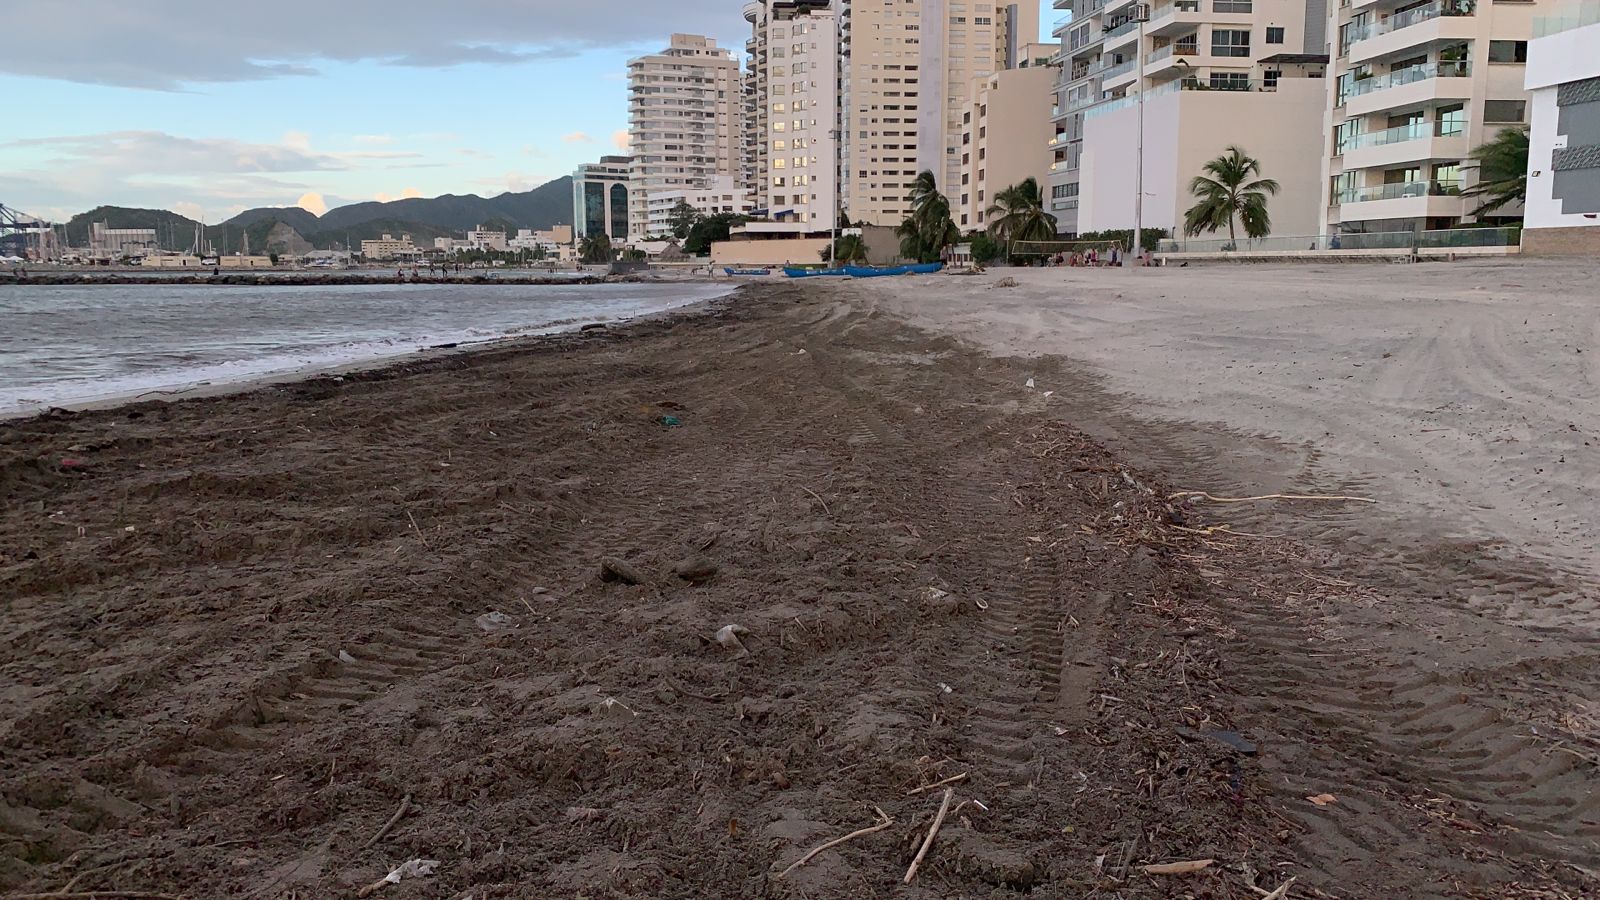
(1502, 166)
(1228, 194)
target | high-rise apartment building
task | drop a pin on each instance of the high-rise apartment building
(686, 118)
(600, 199)
(792, 111)
(1416, 86)
(909, 67)
(1005, 134)
(1229, 72)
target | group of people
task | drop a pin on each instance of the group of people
(435, 270)
(1094, 258)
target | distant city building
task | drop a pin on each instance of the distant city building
(724, 195)
(686, 118)
(107, 241)
(1005, 137)
(600, 199)
(390, 248)
(481, 239)
(1563, 208)
(792, 112)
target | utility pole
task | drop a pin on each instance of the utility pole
(1141, 12)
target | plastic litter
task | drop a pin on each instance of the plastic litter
(416, 868)
(670, 422)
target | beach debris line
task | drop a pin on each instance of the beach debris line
(416, 868)
(883, 822)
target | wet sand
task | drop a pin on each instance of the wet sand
(241, 632)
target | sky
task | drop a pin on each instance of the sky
(191, 107)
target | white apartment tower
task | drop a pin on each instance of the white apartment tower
(1224, 71)
(909, 68)
(685, 108)
(793, 111)
(1417, 86)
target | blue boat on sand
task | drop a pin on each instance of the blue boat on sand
(797, 272)
(732, 271)
(886, 271)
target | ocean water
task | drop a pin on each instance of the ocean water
(76, 344)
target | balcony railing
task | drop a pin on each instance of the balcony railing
(1436, 188)
(1416, 131)
(1574, 15)
(1122, 29)
(1409, 75)
(1368, 240)
(1410, 17)
(1167, 9)
(1180, 49)
(1121, 68)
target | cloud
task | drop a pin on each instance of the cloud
(621, 140)
(577, 137)
(298, 140)
(406, 194)
(473, 154)
(378, 140)
(156, 152)
(312, 202)
(194, 42)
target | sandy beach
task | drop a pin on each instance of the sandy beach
(475, 608)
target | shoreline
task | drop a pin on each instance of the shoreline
(369, 366)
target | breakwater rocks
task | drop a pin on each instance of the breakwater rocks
(279, 278)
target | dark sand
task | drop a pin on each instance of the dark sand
(236, 632)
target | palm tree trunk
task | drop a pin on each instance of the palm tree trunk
(1233, 239)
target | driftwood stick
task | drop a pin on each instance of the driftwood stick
(937, 784)
(825, 510)
(883, 822)
(1205, 496)
(927, 842)
(96, 895)
(405, 804)
(418, 530)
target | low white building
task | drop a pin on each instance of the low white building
(482, 239)
(722, 195)
(1562, 215)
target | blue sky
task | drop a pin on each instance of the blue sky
(183, 105)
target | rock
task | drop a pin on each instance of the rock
(728, 636)
(492, 622)
(695, 569)
(613, 569)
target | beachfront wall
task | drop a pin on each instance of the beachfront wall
(783, 252)
(1186, 128)
(1562, 216)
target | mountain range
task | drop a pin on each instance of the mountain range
(285, 229)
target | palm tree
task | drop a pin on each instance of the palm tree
(929, 229)
(850, 249)
(1502, 171)
(1229, 194)
(1018, 214)
(595, 248)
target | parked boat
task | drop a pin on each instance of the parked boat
(884, 271)
(797, 272)
(926, 268)
(732, 271)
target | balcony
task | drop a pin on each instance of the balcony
(1410, 200)
(1176, 18)
(1172, 61)
(1408, 143)
(1410, 86)
(1440, 20)
(1118, 75)
(1125, 33)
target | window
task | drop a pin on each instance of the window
(1452, 120)
(1230, 81)
(1232, 6)
(1274, 35)
(1508, 51)
(1504, 110)
(1230, 42)
(1269, 79)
